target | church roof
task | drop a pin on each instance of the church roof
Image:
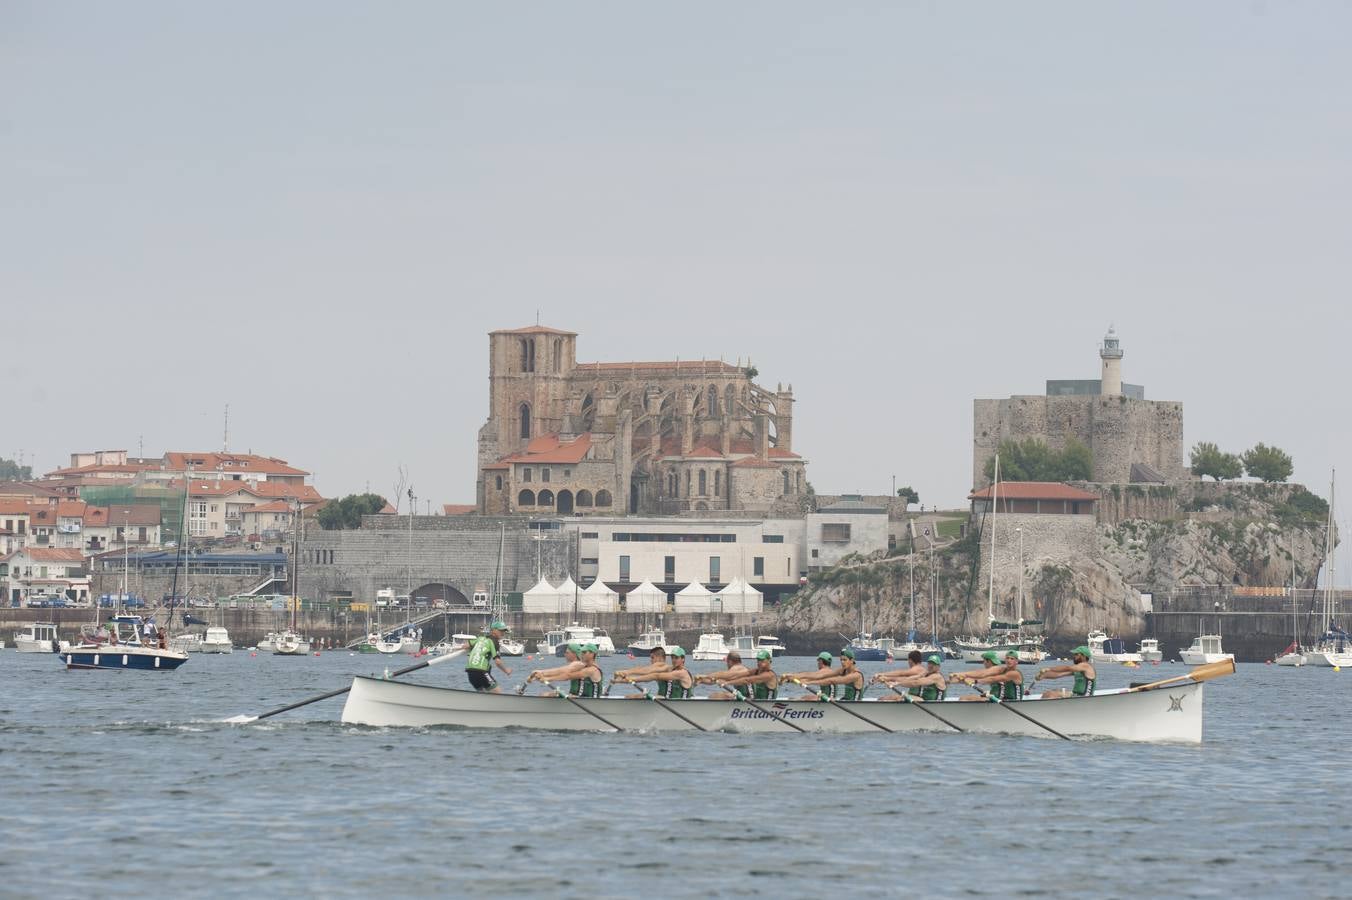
(714, 366)
(549, 448)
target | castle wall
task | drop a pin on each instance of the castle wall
(1047, 540)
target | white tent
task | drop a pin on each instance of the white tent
(545, 598)
(598, 598)
(646, 598)
(740, 597)
(695, 598)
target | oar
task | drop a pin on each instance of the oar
(1201, 673)
(666, 704)
(739, 697)
(922, 705)
(833, 701)
(597, 715)
(244, 720)
(1020, 713)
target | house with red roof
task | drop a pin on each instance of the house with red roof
(42, 574)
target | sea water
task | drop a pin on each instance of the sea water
(129, 781)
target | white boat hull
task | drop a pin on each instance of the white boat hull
(1198, 658)
(216, 647)
(1164, 714)
(1290, 659)
(25, 644)
(1328, 658)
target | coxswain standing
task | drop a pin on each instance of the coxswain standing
(762, 684)
(675, 683)
(1083, 670)
(571, 666)
(484, 653)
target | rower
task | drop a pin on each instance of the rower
(572, 654)
(586, 682)
(850, 680)
(675, 683)
(762, 684)
(929, 687)
(657, 662)
(1006, 682)
(914, 670)
(734, 669)
(483, 654)
(823, 670)
(1083, 670)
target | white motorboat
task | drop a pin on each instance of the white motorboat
(1162, 713)
(187, 642)
(646, 642)
(37, 637)
(1205, 648)
(121, 643)
(581, 634)
(289, 643)
(712, 646)
(512, 647)
(1105, 649)
(1150, 650)
(216, 640)
(269, 642)
(772, 643)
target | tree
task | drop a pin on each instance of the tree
(1033, 460)
(12, 471)
(908, 494)
(1208, 459)
(347, 512)
(1267, 463)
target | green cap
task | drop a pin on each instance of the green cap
(575, 647)
(588, 648)
(847, 652)
(676, 651)
(991, 656)
(935, 661)
(762, 654)
(1012, 653)
(1083, 651)
(824, 656)
(498, 625)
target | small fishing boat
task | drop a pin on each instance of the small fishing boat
(1168, 712)
(1150, 651)
(269, 642)
(646, 642)
(1110, 649)
(36, 637)
(1205, 648)
(119, 644)
(772, 643)
(511, 647)
(216, 640)
(711, 646)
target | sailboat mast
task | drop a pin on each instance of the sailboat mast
(995, 505)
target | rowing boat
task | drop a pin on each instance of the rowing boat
(1172, 714)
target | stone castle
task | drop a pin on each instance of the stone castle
(650, 438)
(1133, 440)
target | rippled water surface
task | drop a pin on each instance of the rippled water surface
(130, 778)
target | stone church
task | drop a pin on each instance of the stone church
(648, 438)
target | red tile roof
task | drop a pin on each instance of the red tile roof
(20, 507)
(55, 554)
(752, 462)
(111, 468)
(179, 461)
(267, 489)
(548, 448)
(776, 453)
(704, 451)
(270, 506)
(1033, 490)
(458, 509)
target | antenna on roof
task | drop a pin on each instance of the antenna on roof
(537, 318)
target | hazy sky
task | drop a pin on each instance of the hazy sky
(314, 212)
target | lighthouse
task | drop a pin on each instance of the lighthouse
(1111, 354)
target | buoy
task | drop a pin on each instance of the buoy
(1268, 662)
(316, 653)
(1337, 668)
(253, 654)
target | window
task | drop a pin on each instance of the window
(814, 552)
(558, 354)
(584, 497)
(718, 483)
(526, 475)
(545, 498)
(525, 498)
(525, 420)
(787, 488)
(624, 568)
(603, 498)
(758, 566)
(498, 482)
(835, 532)
(703, 482)
(669, 568)
(590, 562)
(544, 474)
(592, 535)
(715, 565)
(772, 538)
(659, 537)
(567, 473)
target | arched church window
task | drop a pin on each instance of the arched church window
(603, 498)
(713, 400)
(545, 498)
(499, 482)
(718, 483)
(787, 489)
(525, 498)
(525, 355)
(558, 353)
(525, 420)
(703, 482)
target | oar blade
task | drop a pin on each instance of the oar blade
(1204, 672)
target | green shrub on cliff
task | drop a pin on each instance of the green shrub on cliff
(1032, 460)
(1208, 459)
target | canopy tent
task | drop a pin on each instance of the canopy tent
(740, 597)
(598, 598)
(695, 598)
(545, 598)
(646, 598)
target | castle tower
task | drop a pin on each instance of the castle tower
(1111, 354)
(528, 372)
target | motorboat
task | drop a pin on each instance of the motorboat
(1150, 651)
(512, 647)
(216, 640)
(772, 643)
(290, 643)
(269, 642)
(188, 642)
(583, 634)
(549, 644)
(376, 643)
(120, 644)
(1110, 649)
(906, 648)
(1169, 712)
(712, 646)
(648, 641)
(1205, 648)
(867, 648)
(36, 637)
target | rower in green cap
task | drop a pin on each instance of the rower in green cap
(484, 653)
(850, 680)
(762, 684)
(929, 687)
(990, 660)
(1083, 670)
(675, 683)
(573, 664)
(587, 681)
(824, 670)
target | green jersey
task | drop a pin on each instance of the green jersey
(930, 693)
(482, 653)
(1003, 691)
(674, 690)
(1084, 686)
(850, 693)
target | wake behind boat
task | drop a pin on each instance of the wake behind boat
(1168, 713)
